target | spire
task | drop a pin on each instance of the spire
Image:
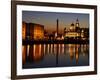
(77, 22)
(77, 19)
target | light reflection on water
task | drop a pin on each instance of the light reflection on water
(55, 55)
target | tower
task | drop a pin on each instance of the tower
(57, 26)
(78, 30)
(77, 23)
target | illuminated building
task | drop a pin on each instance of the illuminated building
(32, 31)
(84, 33)
(36, 31)
(24, 30)
(73, 31)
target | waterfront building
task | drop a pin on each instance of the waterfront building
(32, 31)
(73, 31)
(37, 31)
(84, 33)
(24, 30)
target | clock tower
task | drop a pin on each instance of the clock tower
(77, 23)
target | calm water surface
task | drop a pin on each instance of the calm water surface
(55, 55)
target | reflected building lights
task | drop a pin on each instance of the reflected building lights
(44, 49)
(59, 48)
(24, 54)
(71, 53)
(28, 46)
(48, 48)
(62, 48)
(55, 46)
(77, 53)
(37, 52)
(51, 48)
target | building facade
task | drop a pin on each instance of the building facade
(32, 31)
(75, 31)
(24, 30)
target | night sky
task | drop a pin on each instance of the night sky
(48, 19)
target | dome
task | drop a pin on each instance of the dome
(72, 24)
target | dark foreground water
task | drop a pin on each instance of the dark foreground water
(55, 55)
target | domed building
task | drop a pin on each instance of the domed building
(73, 31)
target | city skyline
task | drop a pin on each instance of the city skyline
(50, 39)
(49, 19)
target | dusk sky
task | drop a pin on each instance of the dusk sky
(48, 19)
